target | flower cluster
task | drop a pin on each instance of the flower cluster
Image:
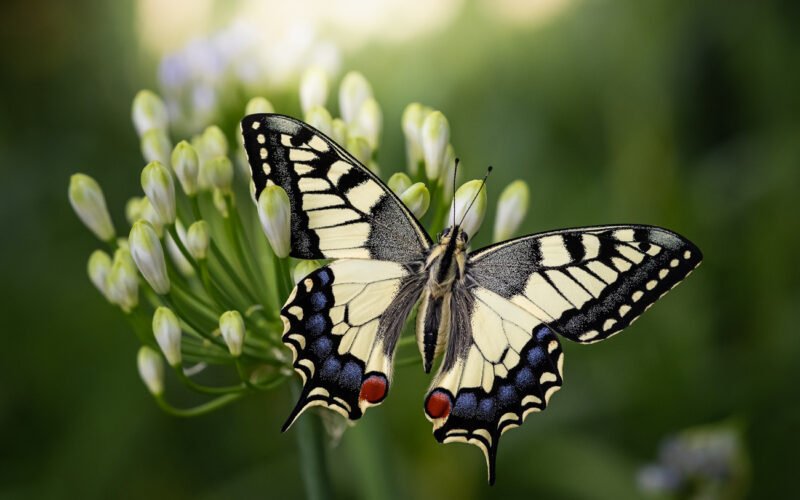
(204, 271)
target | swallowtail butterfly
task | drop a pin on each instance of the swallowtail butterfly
(496, 314)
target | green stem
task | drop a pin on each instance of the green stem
(204, 388)
(202, 409)
(311, 445)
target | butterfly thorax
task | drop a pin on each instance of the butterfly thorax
(445, 266)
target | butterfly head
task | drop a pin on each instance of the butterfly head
(455, 236)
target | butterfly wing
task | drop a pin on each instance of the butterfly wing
(342, 323)
(339, 208)
(504, 360)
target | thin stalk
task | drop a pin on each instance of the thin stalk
(311, 445)
(202, 409)
(204, 388)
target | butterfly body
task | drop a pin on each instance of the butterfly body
(494, 314)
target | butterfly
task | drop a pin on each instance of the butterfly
(494, 314)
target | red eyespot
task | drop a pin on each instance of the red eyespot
(438, 404)
(373, 390)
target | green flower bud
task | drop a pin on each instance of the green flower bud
(320, 118)
(313, 88)
(151, 370)
(183, 265)
(98, 269)
(219, 172)
(197, 239)
(258, 105)
(417, 199)
(220, 203)
(160, 190)
(148, 112)
(353, 91)
(339, 131)
(149, 256)
(122, 283)
(303, 269)
(156, 146)
(369, 122)
(413, 118)
(186, 165)
(464, 196)
(133, 209)
(167, 331)
(149, 214)
(231, 325)
(359, 147)
(88, 201)
(435, 137)
(511, 209)
(399, 182)
(214, 142)
(274, 211)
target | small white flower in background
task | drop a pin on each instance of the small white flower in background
(339, 131)
(447, 180)
(320, 118)
(149, 214)
(359, 147)
(463, 198)
(98, 268)
(122, 283)
(149, 256)
(219, 173)
(197, 239)
(231, 325)
(218, 198)
(258, 105)
(369, 121)
(151, 370)
(399, 182)
(89, 203)
(214, 142)
(160, 190)
(511, 209)
(313, 88)
(133, 209)
(183, 265)
(274, 211)
(186, 166)
(413, 118)
(156, 146)
(435, 137)
(353, 92)
(417, 199)
(304, 268)
(167, 331)
(148, 112)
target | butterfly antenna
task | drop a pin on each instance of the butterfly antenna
(455, 174)
(483, 183)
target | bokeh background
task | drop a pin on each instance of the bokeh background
(678, 113)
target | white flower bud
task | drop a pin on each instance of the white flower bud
(399, 182)
(219, 172)
(89, 203)
(220, 203)
(353, 91)
(320, 118)
(303, 269)
(98, 269)
(417, 199)
(151, 370)
(369, 122)
(122, 283)
(133, 209)
(186, 165)
(275, 212)
(435, 137)
(313, 88)
(448, 183)
(359, 147)
(167, 331)
(258, 105)
(149, 214)
(413, 118)
(214, 142)
(149, 256)
(156, 146)
(511, 209)
(183, 265)
(231, 325)
(464, 196)
(197, 239)
(160, 190)
(339, 131)
(148, 112)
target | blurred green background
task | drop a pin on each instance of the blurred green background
(683, 114)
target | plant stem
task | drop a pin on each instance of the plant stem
(311, 445)
(202, 409)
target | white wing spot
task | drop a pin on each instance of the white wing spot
(266, 168)
(624, 309)
(687, 254)
(255, 125)
(547, 377)
(301, 155)
(588, 335)
(317, 143)
(263, 152)
(651, 284)
(609, 324)
(261, 139)
(663, 273)
(637, 295)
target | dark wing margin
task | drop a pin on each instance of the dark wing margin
(339, 208)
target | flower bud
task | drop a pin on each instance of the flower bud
(160, 190)
(417, 199)
(214, 142)
(399, 182)
(274, 210)
(220, 203)
(258, 105)
(197, 239)
(148, 112)
(313, 88)
(320, 118)
(464, 196)
(511, 209)
(98, 269)
(413, 118)
(151, 370)
(133, 209)
(156, 146)
(183, 265)
(360, 148)
(89, 203)
(149, 256)
(353, 91)
(435, 137)
(186, 165)
(149, 214)
(448, 182)
(167, 330)
(219, 172)
(339, 131)
(369, 121)
(122, 283)
(303, 269)
(231, 325)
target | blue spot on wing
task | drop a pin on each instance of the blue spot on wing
(486, 409)
(507, 395)
(350, 377)
(524, 378)
(318, 301)
(536, 356)
(466, 405)
(315, 324)
(330, 368)
(324, 276)
(322, 347)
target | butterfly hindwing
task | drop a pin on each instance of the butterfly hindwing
(339, 208)
(342, 323)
